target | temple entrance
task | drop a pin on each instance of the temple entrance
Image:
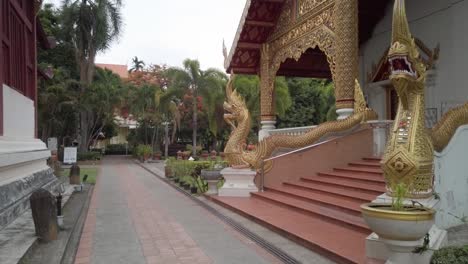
(392, 102)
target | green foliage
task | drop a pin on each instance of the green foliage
(399, 191)
(451, 255)
(312, 101)
(117, 149)
(143, 150)
(91, 155)
(189, 171)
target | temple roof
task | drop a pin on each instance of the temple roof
(258, 22)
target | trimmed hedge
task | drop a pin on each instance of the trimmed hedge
(117, 149)
(92, 155)
(451, 255)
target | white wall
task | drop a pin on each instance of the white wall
(451, 180)
(434, 22)
(18, 114)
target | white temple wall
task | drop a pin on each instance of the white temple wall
(434, 22)
(451, 181)
(18, 114)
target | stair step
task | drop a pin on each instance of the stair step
(365, 164)
(372, 159)
(324, 212)
(367, 187)
(351, 207)
(353, 176)
(364, 171)
(338, 242)
(333, 190)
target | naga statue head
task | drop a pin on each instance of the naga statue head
(234, 105)
(408, 72)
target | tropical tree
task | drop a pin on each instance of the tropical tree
(207, 84)
(138, 65)
(91, 25)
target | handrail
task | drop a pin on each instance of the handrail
(352, 131)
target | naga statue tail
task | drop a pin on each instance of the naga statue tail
(266, 147)
(445, 129)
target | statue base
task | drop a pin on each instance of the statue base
(238, 182)
(401, 252)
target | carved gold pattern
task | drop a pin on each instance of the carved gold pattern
(346, 51)
(306, 6)
(311, 33)
(238, 118)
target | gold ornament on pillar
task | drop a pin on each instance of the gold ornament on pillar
(409, 157)
(346, 51)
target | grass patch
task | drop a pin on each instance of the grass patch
(91, 172)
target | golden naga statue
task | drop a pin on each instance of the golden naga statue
(409, 157)
(238, 117)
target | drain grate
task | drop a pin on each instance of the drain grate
(279, 253)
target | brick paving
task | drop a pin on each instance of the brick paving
(135, 218)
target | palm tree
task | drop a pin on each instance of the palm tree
(208, 84)
(91, 25)
(138, 65)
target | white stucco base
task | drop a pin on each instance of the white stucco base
(451, 180)
(344, 113)
(267, 126)
(23, 158)
(401, 251)
(238, 182)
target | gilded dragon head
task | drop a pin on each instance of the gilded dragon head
(408, 72)
(234, 105)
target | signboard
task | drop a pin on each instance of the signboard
(52, 144)
(69, 155)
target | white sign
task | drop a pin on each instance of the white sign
(69, 155)
(52, 144)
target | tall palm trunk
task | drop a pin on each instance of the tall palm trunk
(195, 125)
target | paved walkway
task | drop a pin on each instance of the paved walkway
(136, 218)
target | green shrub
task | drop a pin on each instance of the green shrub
(117, 149)
(92, 155)
(451, 255)
(142, 150)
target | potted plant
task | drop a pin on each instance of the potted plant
(157, 155)
(403, 227)
(212, 175)
(205, 154)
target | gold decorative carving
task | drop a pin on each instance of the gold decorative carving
(285, 17)
(238, 118)
(306, 6)
(346, 51)
(409, 157)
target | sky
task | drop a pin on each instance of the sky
(169, 31)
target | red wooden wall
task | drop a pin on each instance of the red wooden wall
(18, 49)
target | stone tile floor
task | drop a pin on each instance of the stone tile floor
(136, 218)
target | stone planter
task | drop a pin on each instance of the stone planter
(401, 231)
(212, 177)
(167, 172)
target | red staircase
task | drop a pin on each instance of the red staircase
(322, 211)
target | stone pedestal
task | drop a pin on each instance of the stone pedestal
(401, 251)
(212, 187)
(238, 182)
